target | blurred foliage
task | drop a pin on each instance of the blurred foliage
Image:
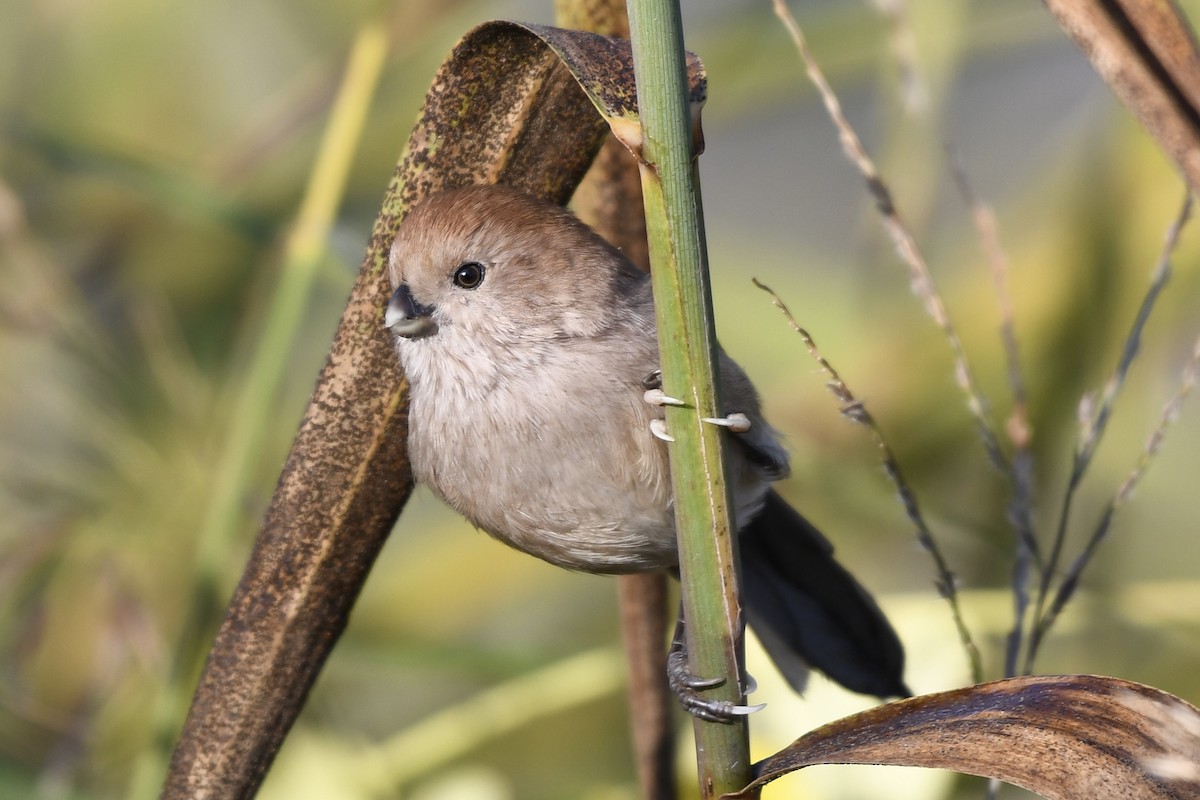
(152, 161)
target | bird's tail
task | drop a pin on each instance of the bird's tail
(808, 611)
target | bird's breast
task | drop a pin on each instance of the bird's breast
(549, 452)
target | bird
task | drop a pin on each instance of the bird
(536, 411)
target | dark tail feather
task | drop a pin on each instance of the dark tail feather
(807, 610)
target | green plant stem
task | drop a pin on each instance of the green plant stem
(688, 348)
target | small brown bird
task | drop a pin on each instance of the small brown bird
(527, 341)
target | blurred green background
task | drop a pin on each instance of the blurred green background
(153, 158)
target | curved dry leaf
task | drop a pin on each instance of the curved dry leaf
(1064, 737)
(608, 65)
(505, 107)
(1147, 54)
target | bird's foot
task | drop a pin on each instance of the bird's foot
(689, 687)
(658, 427)
(656, 397)
(736, 422)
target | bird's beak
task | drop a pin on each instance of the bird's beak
(407, 318)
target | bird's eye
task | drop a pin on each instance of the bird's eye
(469, 275)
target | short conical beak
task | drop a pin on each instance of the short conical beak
(407, 318)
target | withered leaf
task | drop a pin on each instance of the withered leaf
(1147, 54)
(1065, 737)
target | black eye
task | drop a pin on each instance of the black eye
(469, 275)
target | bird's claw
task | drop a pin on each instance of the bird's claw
(721, 711)
(658, 427)
(736, 422)
(688, 687)
(656, 397)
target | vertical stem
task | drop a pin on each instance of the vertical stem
(610, 200)
(688, 351)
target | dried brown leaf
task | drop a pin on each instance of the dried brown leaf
(1147, 54)
(1064, 737)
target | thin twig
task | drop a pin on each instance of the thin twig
(906, 246)
(1020, 434)
(854, 410)
(1170, 413)
(1093, 423)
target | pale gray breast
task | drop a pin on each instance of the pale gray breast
(547, 448)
